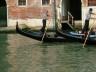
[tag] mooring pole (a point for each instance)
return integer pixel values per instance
(54, 14)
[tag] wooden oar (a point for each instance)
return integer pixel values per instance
(44, 33)
(87, 35)
(86, 38)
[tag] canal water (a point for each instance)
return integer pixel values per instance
(22, 54)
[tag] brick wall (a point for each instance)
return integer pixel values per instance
(32, 10)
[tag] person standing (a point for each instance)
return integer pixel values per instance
(44, 20)
(87, 19)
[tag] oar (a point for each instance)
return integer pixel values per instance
(86, 38)
(87, 35)
(44, 33)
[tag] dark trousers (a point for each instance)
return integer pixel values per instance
(86, 26)
(44, 25)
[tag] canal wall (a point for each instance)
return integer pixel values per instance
(33, 26)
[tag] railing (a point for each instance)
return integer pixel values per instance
(70, 19)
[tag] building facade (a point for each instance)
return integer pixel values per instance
(86, 4)
(27, 11)
(30, 11)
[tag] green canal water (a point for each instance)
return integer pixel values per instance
(22, 54)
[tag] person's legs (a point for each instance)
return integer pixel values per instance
(86, 26)
(44, 25)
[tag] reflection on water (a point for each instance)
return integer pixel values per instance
(4, 65)
(28, 55)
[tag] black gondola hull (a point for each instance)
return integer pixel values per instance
(76, 38)
(38, 35)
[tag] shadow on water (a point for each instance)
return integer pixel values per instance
(4, 65)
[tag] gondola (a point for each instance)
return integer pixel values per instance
(38, 35)
(77, 37)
